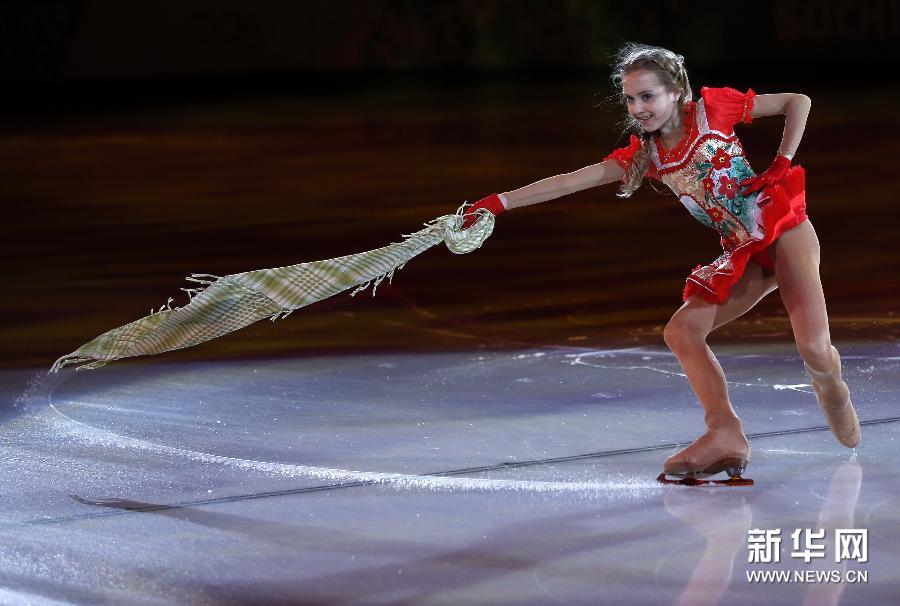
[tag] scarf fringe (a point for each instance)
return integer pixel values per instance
(76, 359)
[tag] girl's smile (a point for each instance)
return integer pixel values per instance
(651, 104)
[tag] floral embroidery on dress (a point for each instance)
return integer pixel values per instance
(721, 159)
(727, 187)
(707, 182)
(715, 214)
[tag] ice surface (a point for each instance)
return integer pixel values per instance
(513, 477)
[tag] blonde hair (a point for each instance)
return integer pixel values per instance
(669, 69)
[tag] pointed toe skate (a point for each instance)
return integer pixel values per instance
(844, 424)
(833, 396)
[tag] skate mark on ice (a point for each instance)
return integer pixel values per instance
(437, 481)
(578, 358)
(796, 387)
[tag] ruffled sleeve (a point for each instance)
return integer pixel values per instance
(726, 107)
(623, 155)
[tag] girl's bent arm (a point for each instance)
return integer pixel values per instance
(557, 186)
(795, 108)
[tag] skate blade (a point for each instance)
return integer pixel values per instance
(732, 466)
(736, 480)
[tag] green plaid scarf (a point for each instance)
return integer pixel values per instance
(227, 303)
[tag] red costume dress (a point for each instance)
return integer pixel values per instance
(705, 170)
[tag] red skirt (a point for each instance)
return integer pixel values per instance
(782, 207)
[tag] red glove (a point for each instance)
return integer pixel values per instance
(492, 203)
(773, 174)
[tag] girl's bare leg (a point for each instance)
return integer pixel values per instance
(686, 334)
(797, 270)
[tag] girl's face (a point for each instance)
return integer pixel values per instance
(647, 100)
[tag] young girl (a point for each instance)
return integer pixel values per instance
(767, 240)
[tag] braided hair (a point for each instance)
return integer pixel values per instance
(669, 69)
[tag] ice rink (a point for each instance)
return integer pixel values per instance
(515, 477)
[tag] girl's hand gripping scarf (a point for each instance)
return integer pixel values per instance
(227, 303)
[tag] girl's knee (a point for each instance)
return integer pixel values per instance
(680, 333)
(691, 324)
(817, 354)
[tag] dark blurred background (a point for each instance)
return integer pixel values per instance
(140, 142)
(275, 43)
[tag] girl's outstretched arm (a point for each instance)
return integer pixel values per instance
(557, 186)
(794, 107)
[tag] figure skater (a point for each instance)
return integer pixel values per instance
(767, 240)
